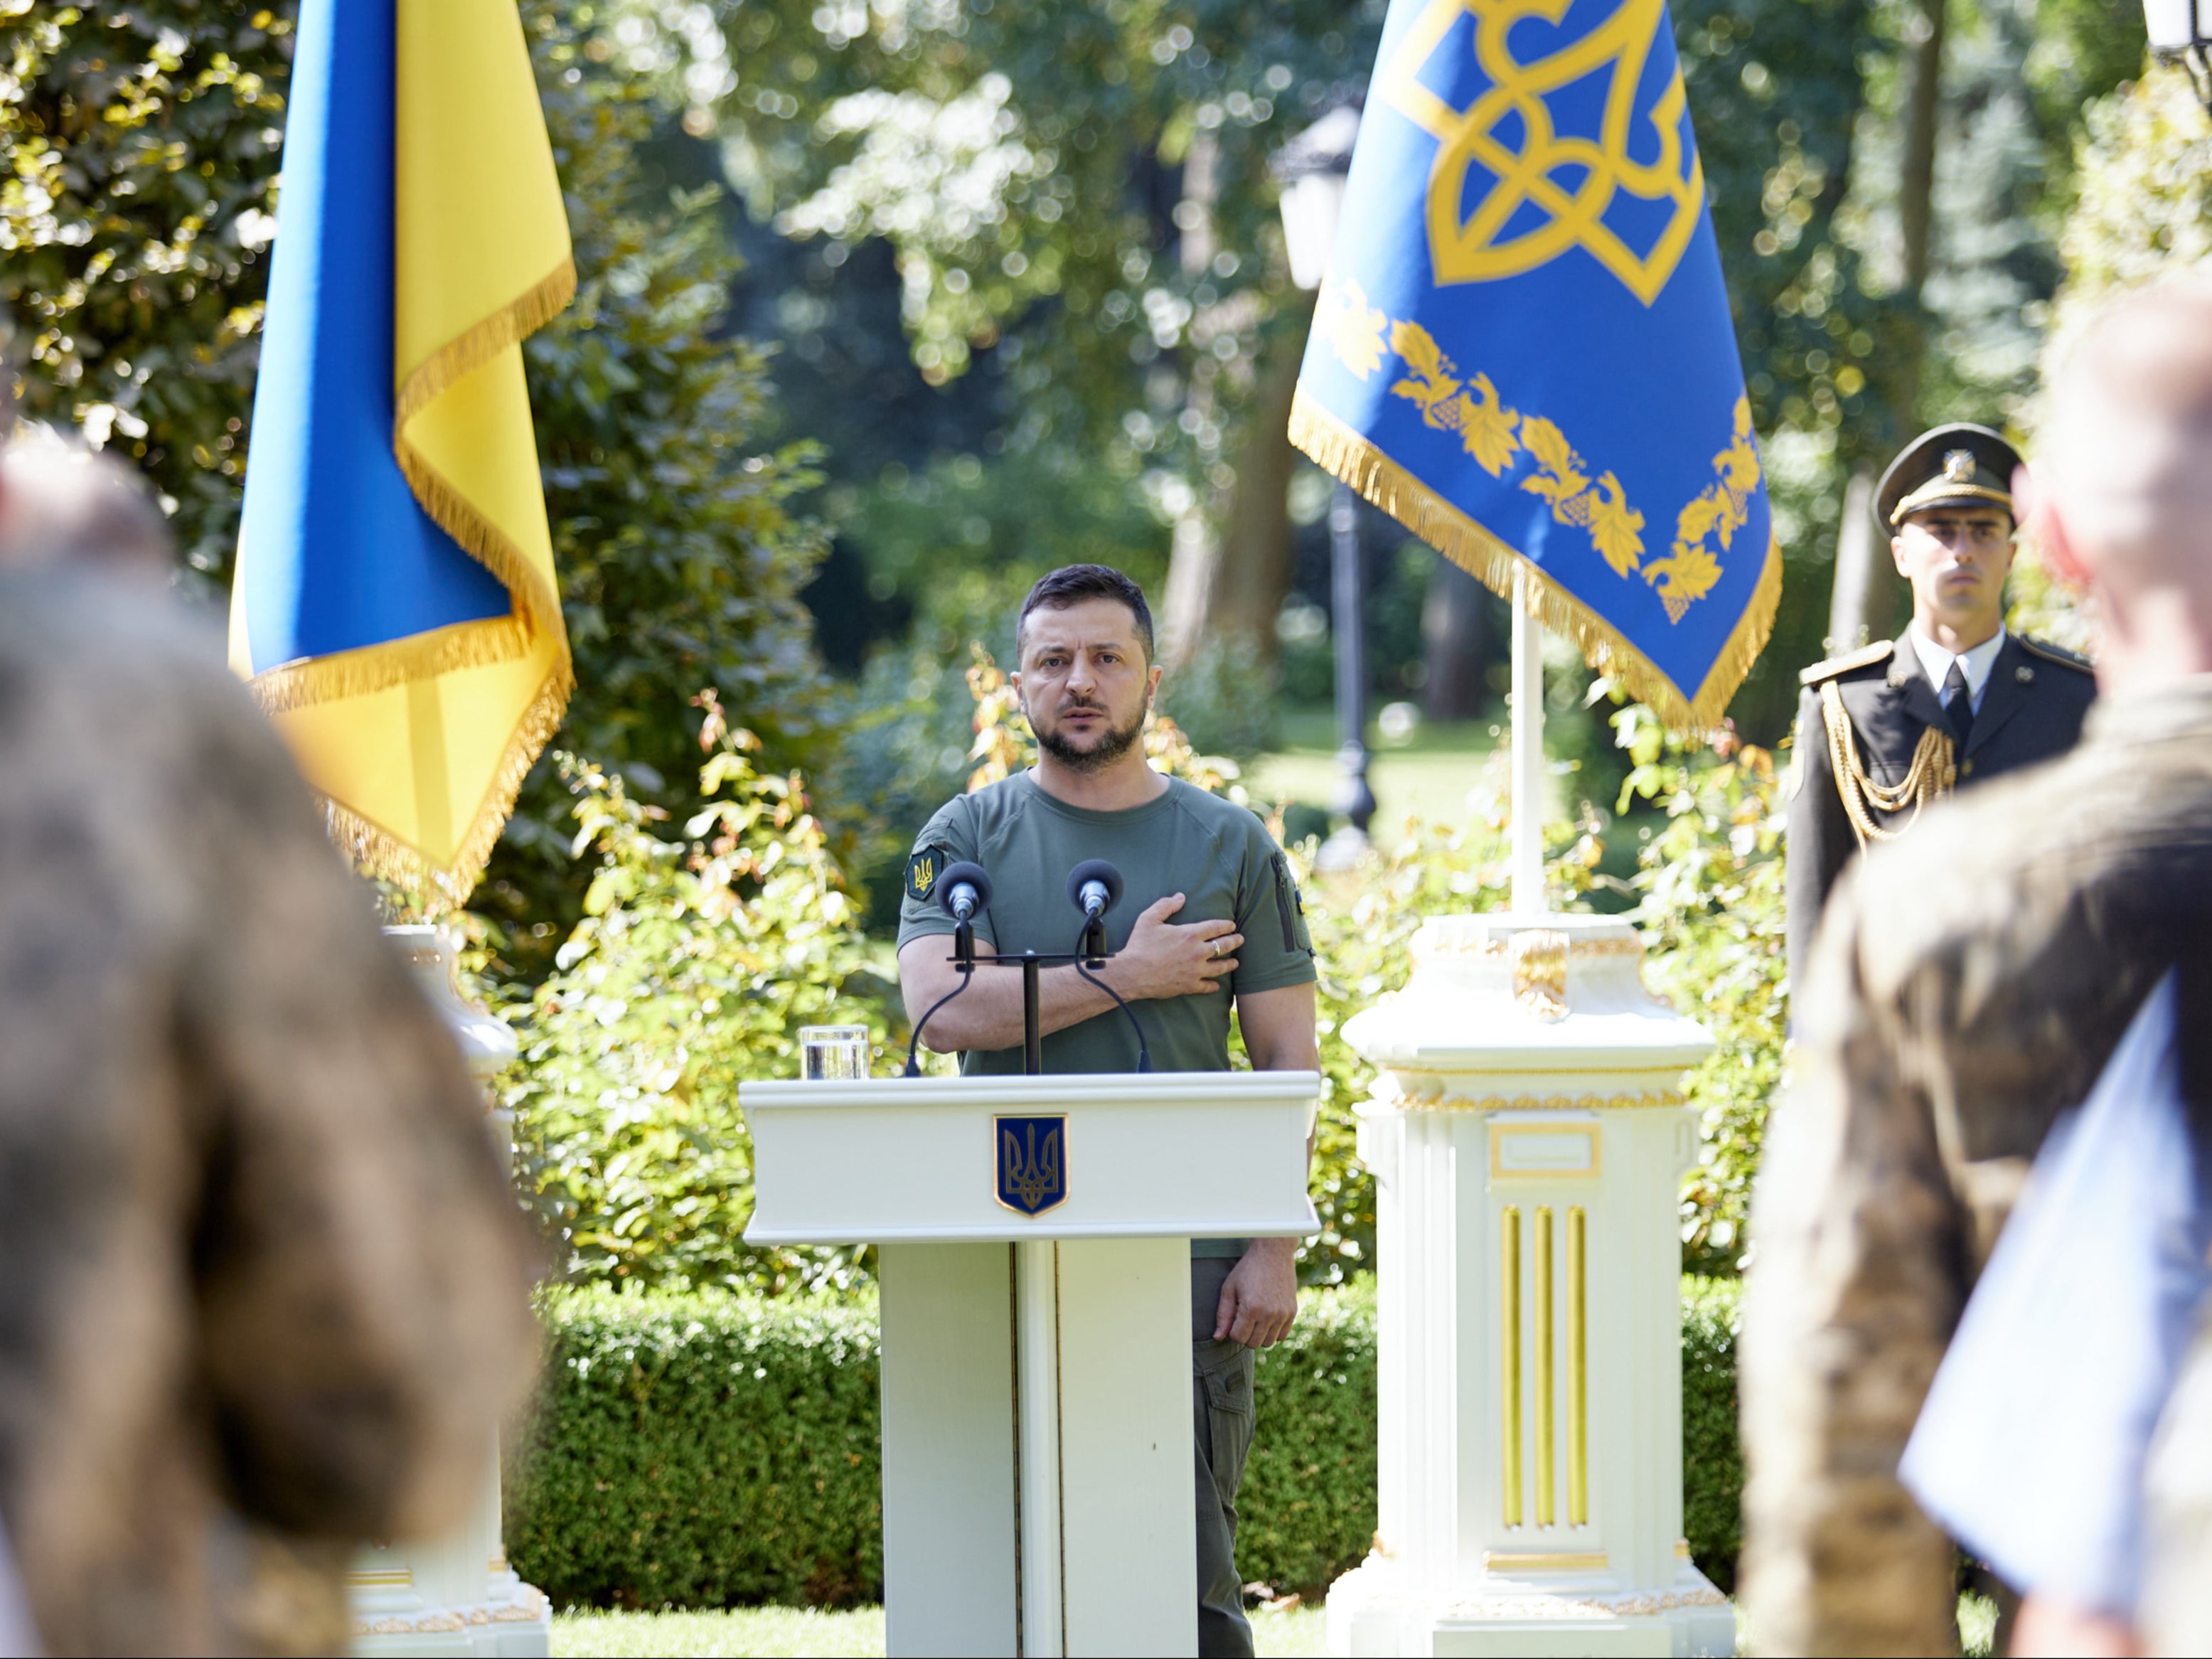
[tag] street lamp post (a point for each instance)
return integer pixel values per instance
(2180, 31)
(1313, 168)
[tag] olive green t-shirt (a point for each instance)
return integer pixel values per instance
(1218, 854)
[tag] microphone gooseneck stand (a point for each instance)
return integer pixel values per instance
(1094, 886)
(964, 890)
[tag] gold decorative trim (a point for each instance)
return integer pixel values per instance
(1934, 772)
(1946, 490)
(1577, 1367)
(1546, 1449)
(1576, 1607)
(1509, 1285)
(1649, 1102)
(1539, 972)
(1433, 947)
(377, 851)
(1544, 1560)
(1340, 450)
(471, 349)
(526, 1609)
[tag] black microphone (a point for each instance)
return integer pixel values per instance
(964, 890)
(1094, 887)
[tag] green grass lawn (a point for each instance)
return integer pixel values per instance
(775, 1632)
(1429, 775)
(778, 1632)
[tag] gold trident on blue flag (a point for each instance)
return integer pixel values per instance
(1470, 247)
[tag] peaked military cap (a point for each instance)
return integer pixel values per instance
(1956, 465)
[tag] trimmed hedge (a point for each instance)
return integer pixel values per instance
(1712, 1457)
(712, 1449)
(701, 1450)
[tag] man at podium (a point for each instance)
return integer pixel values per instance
(1210, 917)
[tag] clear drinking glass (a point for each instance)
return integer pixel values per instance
(832, 1053)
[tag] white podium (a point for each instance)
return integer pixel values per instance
(1527, 1137)
(1032, 1235)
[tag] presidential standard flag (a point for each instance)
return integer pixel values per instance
(1523, 350)
(395, 608)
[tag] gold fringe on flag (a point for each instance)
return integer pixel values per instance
(1346, 454)
(376, 851)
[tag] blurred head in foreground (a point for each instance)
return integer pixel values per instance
(266, 1292)
(2122, 505)
(61, 504)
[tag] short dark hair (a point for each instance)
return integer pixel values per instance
(1071, 584)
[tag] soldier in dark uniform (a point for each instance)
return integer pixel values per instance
(1956, 698)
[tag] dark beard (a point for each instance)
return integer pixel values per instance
(1111, 747)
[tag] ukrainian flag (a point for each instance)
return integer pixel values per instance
(1523, 350)
(396, 608)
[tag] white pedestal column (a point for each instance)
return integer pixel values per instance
(456, 1596)
(1528, 1137)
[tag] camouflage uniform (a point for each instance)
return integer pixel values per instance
(1968, 984)
(267, 1287)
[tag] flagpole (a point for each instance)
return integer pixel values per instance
(1528, 801)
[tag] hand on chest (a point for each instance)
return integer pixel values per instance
(1036, 913)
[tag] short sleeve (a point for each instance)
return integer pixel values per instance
(1277, 952)
(944, 840)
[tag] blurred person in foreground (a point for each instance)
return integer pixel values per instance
(1966, 986)
(267, 1290)
(63, 506)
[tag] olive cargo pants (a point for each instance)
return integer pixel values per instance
(1221, 1413)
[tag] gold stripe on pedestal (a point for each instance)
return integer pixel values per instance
(1578, 1370)
(1545, 1510)
(1508, 1259)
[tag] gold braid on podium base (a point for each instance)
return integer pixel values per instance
(1932, 773)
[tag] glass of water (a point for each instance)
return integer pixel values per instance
(832, 1053)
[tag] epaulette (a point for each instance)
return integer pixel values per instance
(1865, 657)
(2057, 654)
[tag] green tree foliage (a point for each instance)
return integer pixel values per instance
(679, 550)
(2142, 211)
(141, 144)
(1711, 908)
(138, 147)
(697, 958)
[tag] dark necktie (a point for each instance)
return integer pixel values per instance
(1958, 703)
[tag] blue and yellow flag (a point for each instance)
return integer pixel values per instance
(1522, 351)
(395, 608)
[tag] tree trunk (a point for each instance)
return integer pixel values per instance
(1866, 600)
(1458, 630)
(1231, 567)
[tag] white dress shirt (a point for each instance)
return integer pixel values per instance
(1935, 662)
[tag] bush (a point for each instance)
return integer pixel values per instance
(700, 1450)
(708, 1448)
(1306, 1512)
(1712, 912)
(1712, 1456)
(697, 958)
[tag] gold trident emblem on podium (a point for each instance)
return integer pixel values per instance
(1570, 180)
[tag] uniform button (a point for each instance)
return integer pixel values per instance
(2024, 674)
(1966, 768)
